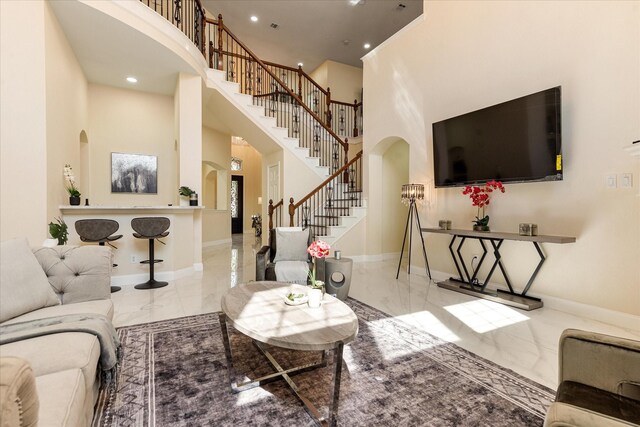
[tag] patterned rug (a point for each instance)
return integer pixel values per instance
(174, 374)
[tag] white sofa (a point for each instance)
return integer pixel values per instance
(65, 365)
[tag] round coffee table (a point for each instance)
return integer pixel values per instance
(258, 310)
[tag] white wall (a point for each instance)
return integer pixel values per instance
(216, 152)
(252, 183)
(23, 133)
(345, 81)
(66, 98)
(128, 121)
(395, 173)
(467, 55)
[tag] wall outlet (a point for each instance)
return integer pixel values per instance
(611, 180)
(626, 180)
(134, 259)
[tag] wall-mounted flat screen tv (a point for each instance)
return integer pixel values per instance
(515, 141)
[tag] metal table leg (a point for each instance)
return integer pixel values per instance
(312, 410)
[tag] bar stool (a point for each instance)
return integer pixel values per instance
(150, 228)
(99, 231)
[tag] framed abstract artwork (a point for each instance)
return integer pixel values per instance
(134, 173)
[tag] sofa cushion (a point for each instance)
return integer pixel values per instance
(565, 415)
(23, 285)
(18, 397)
(58, 352)
(102, 306)
(291, 245)
(600, 401)
(77, 273)
(62, 399)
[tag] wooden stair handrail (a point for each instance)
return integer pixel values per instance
(286, 88)
(294, 206)
(347, 104)
(299, 70)
(272, 208)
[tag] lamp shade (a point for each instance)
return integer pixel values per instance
(412, 192)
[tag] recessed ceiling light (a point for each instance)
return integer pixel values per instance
(254, 18)
(132, 79)
(356, 2)
(300, 64)
(367, 45)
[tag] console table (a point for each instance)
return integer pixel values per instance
(469, 282)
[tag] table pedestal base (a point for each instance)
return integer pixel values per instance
(286, 375)
(499, 296)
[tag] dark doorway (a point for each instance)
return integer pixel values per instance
(236, 204)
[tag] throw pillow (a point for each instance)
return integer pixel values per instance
(23, 285)
(291, 245)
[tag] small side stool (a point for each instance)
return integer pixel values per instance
(151, 228)
(337, 276)
(99, 231)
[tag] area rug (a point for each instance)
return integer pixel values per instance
(173, 373)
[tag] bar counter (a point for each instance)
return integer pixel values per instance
(181, 254)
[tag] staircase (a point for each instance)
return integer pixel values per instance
(293, 110)
(335, 206)
(267, 123)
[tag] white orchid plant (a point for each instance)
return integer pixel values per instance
(71, 181)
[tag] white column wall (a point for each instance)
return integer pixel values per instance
(189, 118)
(23, 133)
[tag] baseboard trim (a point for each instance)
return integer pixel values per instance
(604, 315)
(374, 258)
(198, 266)
(167, 276)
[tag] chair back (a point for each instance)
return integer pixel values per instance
(150, 227)
(273, 243)
(96, 230)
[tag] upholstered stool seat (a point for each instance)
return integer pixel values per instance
(99, 231)
(151, 228)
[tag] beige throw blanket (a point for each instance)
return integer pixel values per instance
(94, 324)
(292, 272)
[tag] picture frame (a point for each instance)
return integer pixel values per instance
(134, 173)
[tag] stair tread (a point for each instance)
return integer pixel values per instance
(326, 216)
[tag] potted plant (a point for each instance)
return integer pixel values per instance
(480, 197)
(74, 193)
(185, 191)
(58, 230)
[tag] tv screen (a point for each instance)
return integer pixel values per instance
(515, 141)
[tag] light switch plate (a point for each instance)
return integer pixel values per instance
(626, 180)
(611, 181)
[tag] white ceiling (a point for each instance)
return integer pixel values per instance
(309, 31)
(312, 31)
(108, 50)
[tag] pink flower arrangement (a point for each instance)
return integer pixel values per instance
(317, 249)
(480, 197)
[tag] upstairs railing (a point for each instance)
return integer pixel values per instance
(187, 15)
(344, 119)
(258, 79)
(323, 207)
(347, 118)
(275, 214)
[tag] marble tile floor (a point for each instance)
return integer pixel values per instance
(526, 342)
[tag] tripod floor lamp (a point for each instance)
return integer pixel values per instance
(411, 193)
